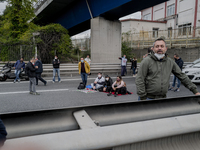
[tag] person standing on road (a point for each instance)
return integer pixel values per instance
(134, 65)
(39, 71)
(123, 64)
(19, 66)
(84, 70)
(179, 62)
(88, 59)
(56, 68)
(152, 81)
(30, 71)
(3, 133)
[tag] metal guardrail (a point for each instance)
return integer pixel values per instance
(72, 69)
(129, 120)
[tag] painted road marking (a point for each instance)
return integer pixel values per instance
(39, 91)
(76, 79)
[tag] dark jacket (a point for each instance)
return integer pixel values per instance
(16, 65)
(40, 67)
(134, 63)
(179, 62)
(108, 83)
(3, 133)
(56, 63)
(153, 77)
(30, 70)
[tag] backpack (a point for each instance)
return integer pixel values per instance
(81, 86)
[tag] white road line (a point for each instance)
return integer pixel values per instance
(39, 91)
(48, 81)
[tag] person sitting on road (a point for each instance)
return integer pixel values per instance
(19, 66)
(107, 87)
(119, 87)
(99, 82)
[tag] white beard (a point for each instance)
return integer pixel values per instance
(159, 56)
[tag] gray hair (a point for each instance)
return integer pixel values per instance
(159, 39)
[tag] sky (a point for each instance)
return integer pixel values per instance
(2, 7)
(84, 34)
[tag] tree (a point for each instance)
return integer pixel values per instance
(52, 39)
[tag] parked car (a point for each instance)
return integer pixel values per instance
(193, 63)
(193, 73)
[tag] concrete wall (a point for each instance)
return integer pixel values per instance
(105, 40)
(187, 54)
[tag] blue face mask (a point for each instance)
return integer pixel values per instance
(82, 61)
(124, 57)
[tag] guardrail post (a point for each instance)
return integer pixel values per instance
(186, 38)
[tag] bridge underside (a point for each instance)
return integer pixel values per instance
(75, 15)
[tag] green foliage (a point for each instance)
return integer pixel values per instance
(16, 29)
(126, 50)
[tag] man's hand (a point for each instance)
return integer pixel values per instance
(197, 93)
(36, 67)
(94, 87)
(13, 67)
(95, 82)
(89, 73)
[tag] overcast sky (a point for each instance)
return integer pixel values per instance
(136, 15)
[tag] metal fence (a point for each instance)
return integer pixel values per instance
(15, 52)
(176, 38)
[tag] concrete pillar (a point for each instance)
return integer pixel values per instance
(105, 40)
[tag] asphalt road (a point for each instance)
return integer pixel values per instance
(15, 97)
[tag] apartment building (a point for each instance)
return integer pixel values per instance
(180, 15)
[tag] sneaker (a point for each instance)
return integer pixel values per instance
(36, 93)
(108, 94)
(14, 81)
(31, 92)
(59, 82)
(115, 95)
(133, 75)
(171, 89)
(177, 90)
(53, 81)
(19, 81)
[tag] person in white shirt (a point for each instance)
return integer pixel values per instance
(88, 59)
(123, 64)
(99, 82)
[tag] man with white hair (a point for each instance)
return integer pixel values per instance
(154, 73)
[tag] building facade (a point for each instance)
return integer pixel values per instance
(183, 15)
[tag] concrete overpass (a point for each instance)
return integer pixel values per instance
(99, 15)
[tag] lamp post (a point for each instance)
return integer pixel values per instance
(35, 34)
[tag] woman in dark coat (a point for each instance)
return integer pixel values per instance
(134, 65)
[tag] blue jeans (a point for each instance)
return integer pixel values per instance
(146, 99)
(134, 70)
(84, 78)
(174, 82)
(54, 73)
(17, 72)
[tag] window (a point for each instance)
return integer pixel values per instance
(170, 10)
(170, 32)
(155, 32)
(184, 29)
(147, 17)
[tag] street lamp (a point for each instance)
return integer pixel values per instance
(35, 34)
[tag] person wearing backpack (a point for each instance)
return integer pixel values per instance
(30, 71)
(84, 70)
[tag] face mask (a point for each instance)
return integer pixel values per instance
(133, 59)
(55, 58)
(82, 61)
(159, 56)
(118, 80)
(99, 76)
(33, 63)
(107, 79)
(124, 57)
